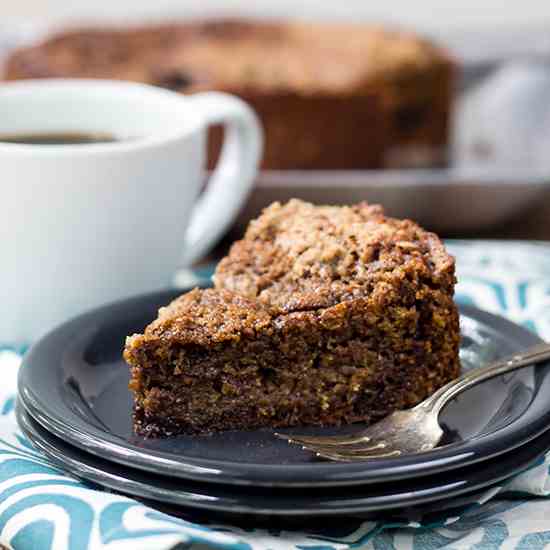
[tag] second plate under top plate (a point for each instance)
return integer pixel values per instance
(439, 489)
(74, 383)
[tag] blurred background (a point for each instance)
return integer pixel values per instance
(501, 106)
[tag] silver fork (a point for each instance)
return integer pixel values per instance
(414, 430)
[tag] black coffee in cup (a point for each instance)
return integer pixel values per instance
(58, 138)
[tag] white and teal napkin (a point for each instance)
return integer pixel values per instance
(41, 508)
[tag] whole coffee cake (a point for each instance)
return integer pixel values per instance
(329, 95)
(321, 315)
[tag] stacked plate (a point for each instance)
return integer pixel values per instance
(74, 405)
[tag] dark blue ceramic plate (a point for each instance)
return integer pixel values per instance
(74, 383)
(261, 501)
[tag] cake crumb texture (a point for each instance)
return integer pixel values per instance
(320, 315)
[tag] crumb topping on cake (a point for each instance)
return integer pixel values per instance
(207, 316)
(294, 56)
(301, 256)
(289, 55)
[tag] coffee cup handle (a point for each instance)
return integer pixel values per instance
(233, 176)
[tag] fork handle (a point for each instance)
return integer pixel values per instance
(529, 357)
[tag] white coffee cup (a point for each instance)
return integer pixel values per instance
(82, 225)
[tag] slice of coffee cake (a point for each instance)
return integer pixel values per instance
(321, 315)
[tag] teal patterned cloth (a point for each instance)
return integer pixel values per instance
(42, 508)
